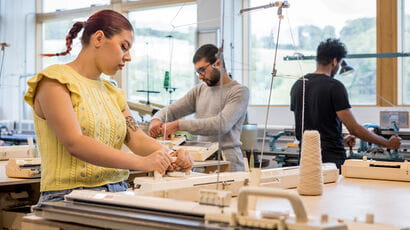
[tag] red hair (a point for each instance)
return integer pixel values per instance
(109, 21)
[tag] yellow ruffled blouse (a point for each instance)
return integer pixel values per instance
(98, 105)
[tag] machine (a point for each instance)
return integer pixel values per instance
(24, 168)
(381, 170)
(17, 151)
(371, 151)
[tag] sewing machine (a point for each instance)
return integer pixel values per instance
(371, 169)
(174, 205)
(126, 210)
(371, 151)
(24, 168)
(288, 177)
(284, 157)
(274, 137)
(188, 187)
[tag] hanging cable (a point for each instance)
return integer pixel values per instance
(176, 15)
(222, 70)
(281, 6)
(294, 43)
(303, 78)
(2, 64)
(302, 128)
(274, 71)
(168, 87)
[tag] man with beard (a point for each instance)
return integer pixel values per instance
(326, 106)
(219, 104)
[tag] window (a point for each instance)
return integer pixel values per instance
(52, 5)
(305, 25)
(54, 33)
(406, 47)
(154, 52)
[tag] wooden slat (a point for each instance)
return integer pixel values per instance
(386, 21)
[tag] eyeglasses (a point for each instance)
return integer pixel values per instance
(201, 70)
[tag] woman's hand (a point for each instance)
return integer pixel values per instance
(157, 161)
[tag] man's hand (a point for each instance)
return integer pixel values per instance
(155, 128)
(170, 128)
(394, 142)
(184, 160)
(349, 141)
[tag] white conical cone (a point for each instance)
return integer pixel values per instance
(310, 172)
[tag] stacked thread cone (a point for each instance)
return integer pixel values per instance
(310, 174)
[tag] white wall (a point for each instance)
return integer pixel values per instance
(210, 31)
(208, 14)
(17, 27)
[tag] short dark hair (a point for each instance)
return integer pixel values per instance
(329, 49)
(207, 51)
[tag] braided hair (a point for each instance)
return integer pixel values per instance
(109, 21)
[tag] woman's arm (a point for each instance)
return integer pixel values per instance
(53, 103)
(142, 144)
(137, 141)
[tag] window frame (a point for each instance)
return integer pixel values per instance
(387, 88)
(387, 35)
(117, 5)
(401, 17)
(387, 42)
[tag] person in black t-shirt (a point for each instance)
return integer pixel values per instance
(327, 106)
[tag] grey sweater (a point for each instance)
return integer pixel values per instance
(206, 102)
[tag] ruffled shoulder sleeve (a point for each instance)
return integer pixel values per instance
(118, 94)
(56, 72)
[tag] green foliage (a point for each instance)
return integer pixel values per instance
(189, 36)
(359, 35)
(308, 37)
(182, 76)
(329, 32)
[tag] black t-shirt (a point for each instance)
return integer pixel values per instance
(324, 96)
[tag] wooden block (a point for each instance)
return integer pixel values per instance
(200, 151)
(16, 151)
(23, 168)
(381, 170)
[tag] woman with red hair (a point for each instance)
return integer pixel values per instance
(82, 120)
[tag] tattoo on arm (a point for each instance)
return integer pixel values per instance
(127, 137)
(131, 123)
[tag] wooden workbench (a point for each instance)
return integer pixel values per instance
(389, 201)
(6, 181)
(348, 198)
(32, 186)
